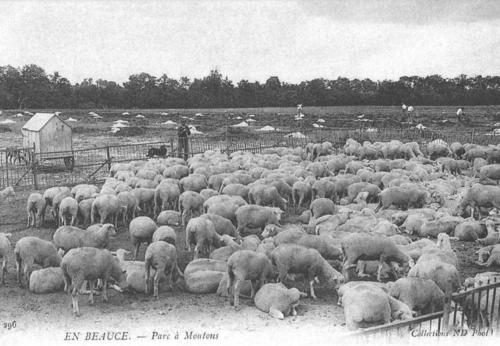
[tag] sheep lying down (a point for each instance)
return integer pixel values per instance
(367, 305)
(278, 300)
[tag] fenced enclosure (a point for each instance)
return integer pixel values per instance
(91, 165)
(475, 311)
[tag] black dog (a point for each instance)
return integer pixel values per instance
(160, 152)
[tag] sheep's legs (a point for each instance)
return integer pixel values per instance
(236, 294)
(159, 272)
(146, 290)
(311, 289)
(136, 251)
(252, 289)
(91, 296)
(104, 290)
(4, 269)
(361, 270)
(275, 313)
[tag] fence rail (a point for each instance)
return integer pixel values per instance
(91, 164)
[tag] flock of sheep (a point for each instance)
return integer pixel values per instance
(354, 213)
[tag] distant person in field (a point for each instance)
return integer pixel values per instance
(409, 110)
(299, 109)
(461, 116)
(183, 133)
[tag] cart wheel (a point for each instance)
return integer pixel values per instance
(69, 162)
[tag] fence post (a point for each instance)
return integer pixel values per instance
(33, 165)
(172, 146)
(108, 158)
(447, 307)
(472, 136)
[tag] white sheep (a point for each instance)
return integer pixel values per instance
(169, 218)
(46, 280)
(7, 192)
(162, 257)
(70, 237)
(107, 207)
(166, 234)
(68, 207)
(35, 207)
(247, 265)
(201, 232)
(141, 230)
(91, 264)
(4, 252)
(33, 250)
(135, 271)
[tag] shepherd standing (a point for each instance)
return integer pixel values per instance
(183, 133)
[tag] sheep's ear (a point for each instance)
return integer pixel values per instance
(8, 235)
(414, 313)
(127, 252)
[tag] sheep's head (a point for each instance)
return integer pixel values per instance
(109, 228)
(118, 273)
(278, 212)
(270, 231)
(443, 241)
(9, 191)
(403, 314)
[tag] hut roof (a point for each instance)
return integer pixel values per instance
(38, 121)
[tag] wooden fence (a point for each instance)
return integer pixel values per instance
(92, 164)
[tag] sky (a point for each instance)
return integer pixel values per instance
(294, 40)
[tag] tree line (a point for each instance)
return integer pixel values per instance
(31, 87)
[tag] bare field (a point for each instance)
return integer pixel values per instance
(91, 132)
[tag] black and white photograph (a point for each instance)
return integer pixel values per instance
(237, 172)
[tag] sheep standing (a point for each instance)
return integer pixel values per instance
(141, 230)
(201, 232)
(264, 195)
(107, 207)
(166, 234)
(297, 259)
(247, 265)
(167, 196)
(255, 216)
(4, 252)
(162, 257)
(368, 247)
(91, 264)
(70, 237)
(35, 207)
(33, 250)
(84, 211)
(190, 205)
(7, 192)
(68, 207)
